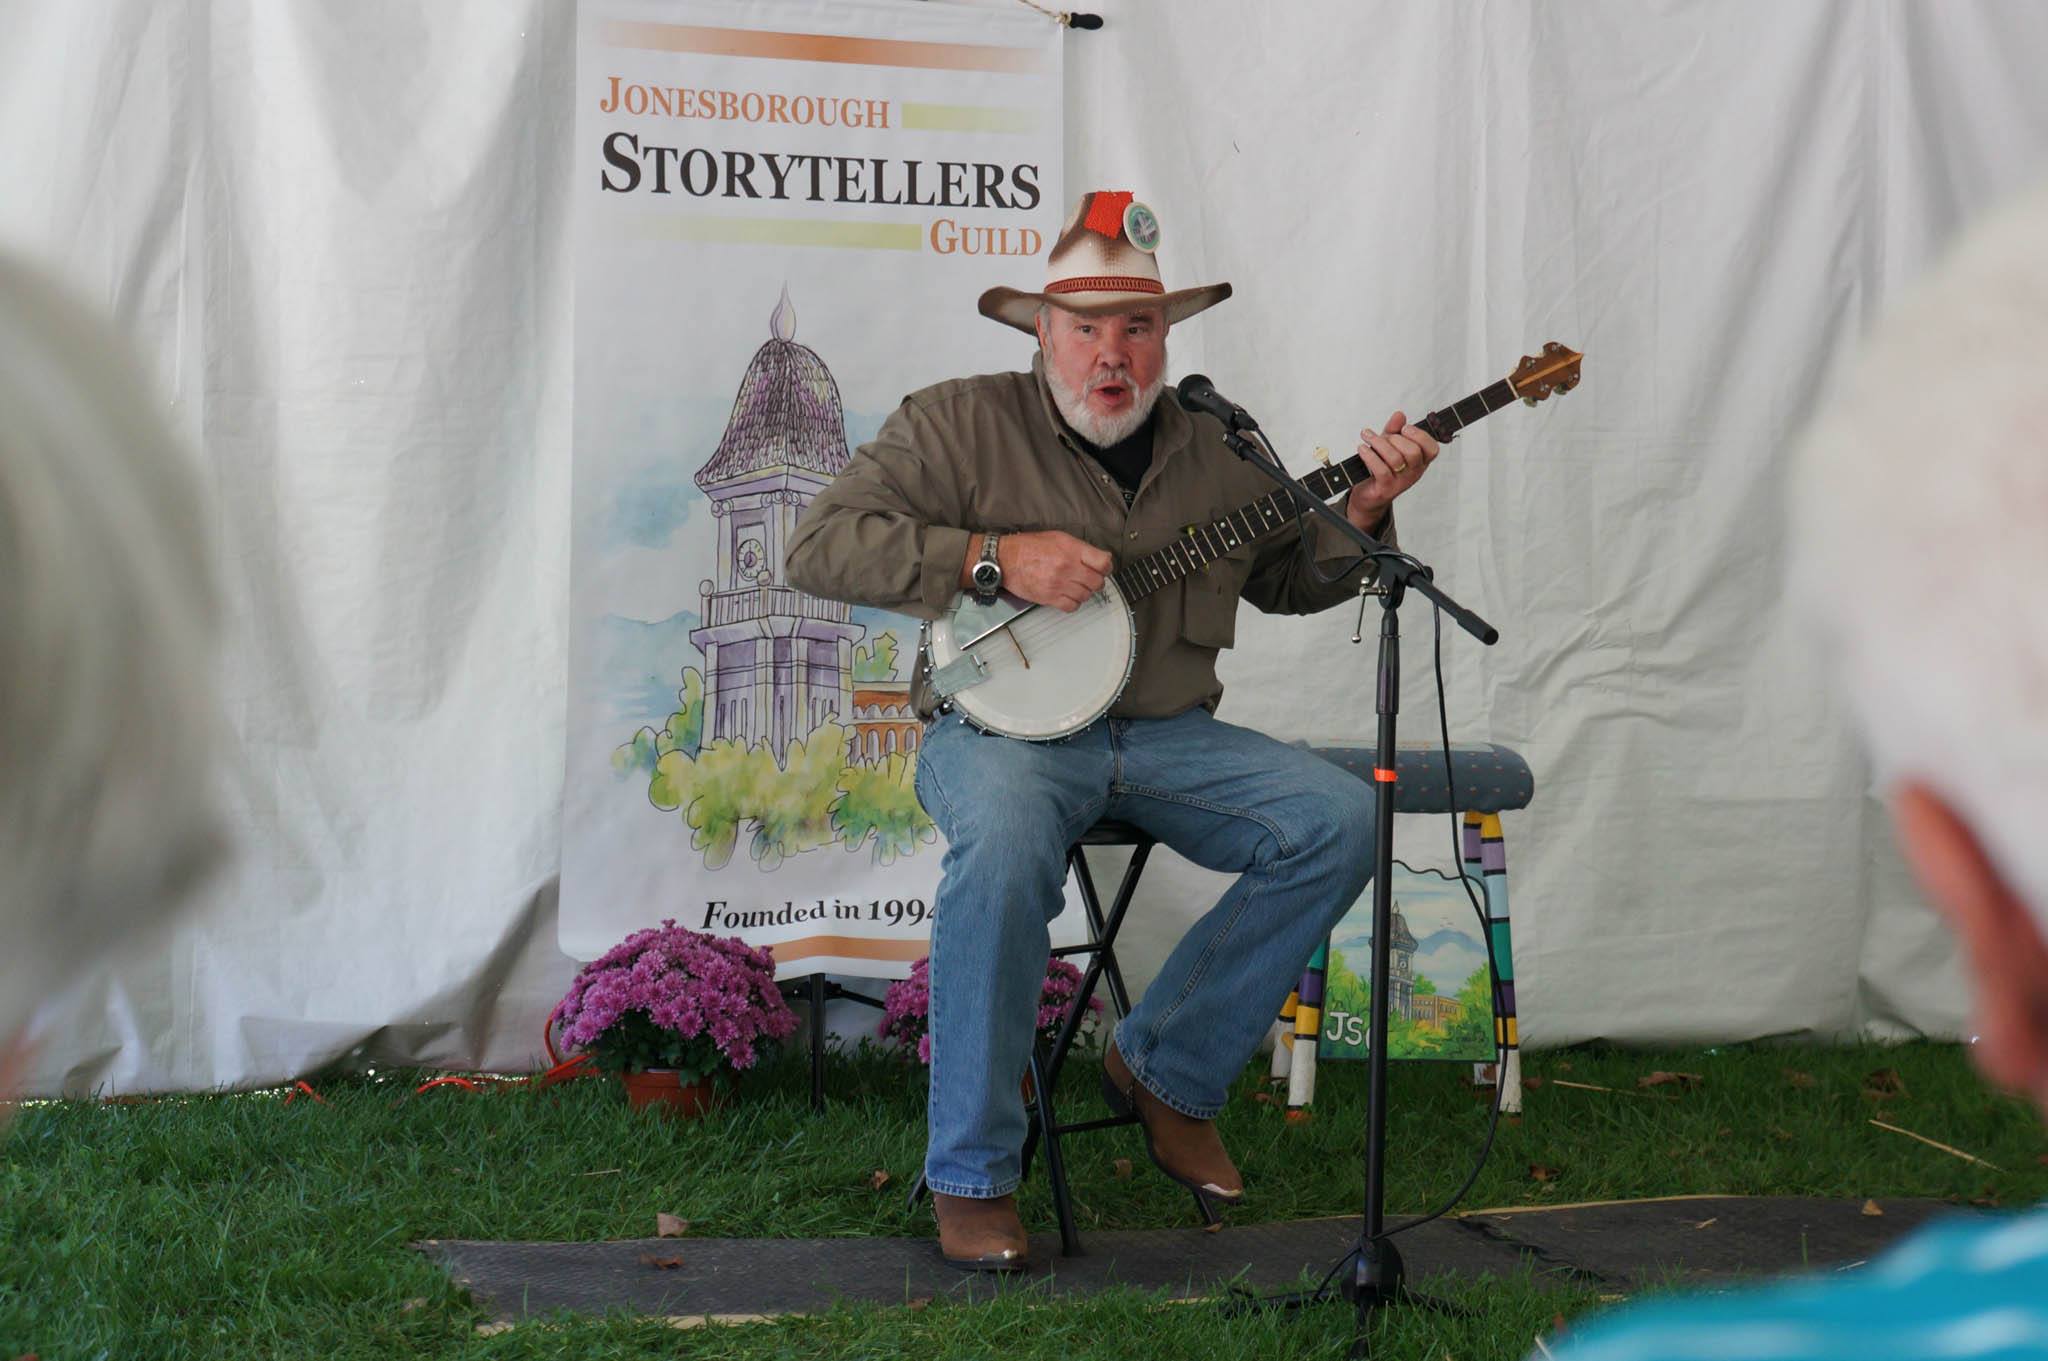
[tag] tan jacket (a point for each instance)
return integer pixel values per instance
(991, 453)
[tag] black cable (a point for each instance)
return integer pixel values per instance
(1500, 1052)
(1301, 519)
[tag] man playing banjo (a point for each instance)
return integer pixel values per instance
(1031, 488)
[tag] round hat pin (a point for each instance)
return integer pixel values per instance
(1141, 227)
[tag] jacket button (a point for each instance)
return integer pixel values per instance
(1132, 535)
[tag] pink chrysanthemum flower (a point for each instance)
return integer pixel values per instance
(906, 1006)
(670, 997)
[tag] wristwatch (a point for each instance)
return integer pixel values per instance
(988, 573)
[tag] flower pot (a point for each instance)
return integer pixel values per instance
(664, 1090)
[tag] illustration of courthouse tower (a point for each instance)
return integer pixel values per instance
(777, 662)
(1401, 978)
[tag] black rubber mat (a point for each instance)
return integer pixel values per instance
(1645, 1241)
(1621, 1244)
(766, 1276)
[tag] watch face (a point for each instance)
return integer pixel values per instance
(987, 576)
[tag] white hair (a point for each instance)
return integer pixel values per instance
(1919, 530)
(107, 624)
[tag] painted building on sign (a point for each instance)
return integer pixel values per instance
(1436, 1011)
(777, 661)
(883, 722)
(1401, 980)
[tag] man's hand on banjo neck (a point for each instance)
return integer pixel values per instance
(1397, 458)
(1047, 567)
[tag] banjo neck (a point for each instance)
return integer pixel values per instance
(1203, 544)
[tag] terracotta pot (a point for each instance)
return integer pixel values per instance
(663, 1089)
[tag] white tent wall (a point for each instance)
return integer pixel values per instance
(337, 232)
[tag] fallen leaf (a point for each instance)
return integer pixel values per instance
(1530, 1084)
(1564, 1067)
(879, 1179)
(660, 1263)
(1870, 1207)
(1213, 1228)
(1541, 1173)
(922, 1302)
(1723, 1132)
(1795, 1078)
(670, 1226)
(492, 1329)
(1884, 1083)
(1707, 1223)
(416, 1302)
(2043, 1160)
(1300, 1115)
(1985, 1202)
(1263, 1098)
(1682, 1081)
(1557, 1324)
(1783, 1136)
(1123, 1169)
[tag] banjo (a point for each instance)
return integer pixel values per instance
(1022, 670)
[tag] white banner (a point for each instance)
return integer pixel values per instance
(784, 213)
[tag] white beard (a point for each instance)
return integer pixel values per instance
(1103, 431)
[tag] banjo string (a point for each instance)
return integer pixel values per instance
(1030, 632)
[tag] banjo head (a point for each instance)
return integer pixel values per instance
(1049, 674)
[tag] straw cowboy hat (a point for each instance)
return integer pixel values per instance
(1102, 264)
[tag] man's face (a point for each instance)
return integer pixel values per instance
(1112, 366)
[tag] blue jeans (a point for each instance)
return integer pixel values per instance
(1297, 830)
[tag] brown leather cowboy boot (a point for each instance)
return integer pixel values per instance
(981, 1235)
(1187, 1150)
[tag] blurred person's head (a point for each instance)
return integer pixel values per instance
(1920, 551)
(108, 811)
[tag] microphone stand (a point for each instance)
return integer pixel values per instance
(1377, 1279)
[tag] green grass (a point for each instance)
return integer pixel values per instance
(243, 1226)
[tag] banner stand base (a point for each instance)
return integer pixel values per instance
(818, 989)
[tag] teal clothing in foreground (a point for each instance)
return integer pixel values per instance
(1973, 1288)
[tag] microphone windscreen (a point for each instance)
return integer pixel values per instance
(1084, 21)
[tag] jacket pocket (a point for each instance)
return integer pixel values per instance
(1209, 611)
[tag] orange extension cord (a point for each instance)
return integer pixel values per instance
(562, 1070)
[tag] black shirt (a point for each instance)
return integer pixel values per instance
(1127, 459)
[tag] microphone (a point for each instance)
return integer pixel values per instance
(1197, 393)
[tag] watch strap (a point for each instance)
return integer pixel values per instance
(988, 558)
